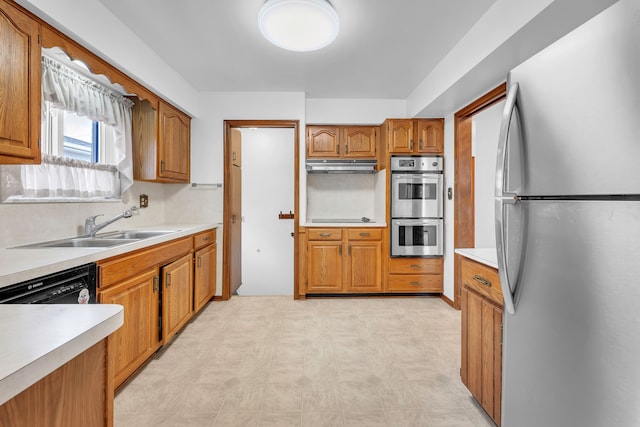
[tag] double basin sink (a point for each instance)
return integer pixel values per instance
(103, 240)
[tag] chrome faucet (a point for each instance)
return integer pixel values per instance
(91, 228)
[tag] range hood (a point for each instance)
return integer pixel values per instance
(345, 166)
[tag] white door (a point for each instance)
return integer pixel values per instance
(267, 189)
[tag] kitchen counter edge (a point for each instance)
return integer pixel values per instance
(18, 265)
(486, 256)
(33, 348)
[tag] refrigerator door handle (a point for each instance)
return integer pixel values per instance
(504, 198)
(501, 162)
(501, 238)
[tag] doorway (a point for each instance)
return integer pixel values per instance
(237, 155)
(464, 179)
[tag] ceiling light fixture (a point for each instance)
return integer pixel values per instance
(299, 25)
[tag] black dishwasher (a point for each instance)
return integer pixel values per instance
(76, 285)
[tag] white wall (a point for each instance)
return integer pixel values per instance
(354, 111)
(267, 190)
(485, 133)
(507, 34)
(449, 171)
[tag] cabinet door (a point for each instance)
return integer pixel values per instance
(360, 141)
(364, 268)
(144, 129)
(19, 87)
(205, 281)
(482, 351)
(137, 339)
(173, 140)
(400, 134)
(177, 296)
(431, 136)
(324, 267)
(323, 141)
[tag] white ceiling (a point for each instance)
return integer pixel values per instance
(384, 50)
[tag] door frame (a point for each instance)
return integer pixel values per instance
(464, 179)
(226, 244)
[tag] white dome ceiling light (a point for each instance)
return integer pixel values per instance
(299, 25)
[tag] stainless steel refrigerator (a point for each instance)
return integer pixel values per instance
(568, 229)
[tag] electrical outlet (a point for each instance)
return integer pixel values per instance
(144, 201)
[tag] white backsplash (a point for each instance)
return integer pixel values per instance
(35, 222)
(190, 205)
(341, 196)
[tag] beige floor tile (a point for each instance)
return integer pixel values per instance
(365, 419)
(237, 419)
(398, 395)
(321, 396)
(280, 419)
(246, 397)
(322, 419)
(407, 418)
(318, 362)
(282, 397)
(359, 396)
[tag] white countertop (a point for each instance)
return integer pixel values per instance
(18, 265)
(37, 339)
(486, 256)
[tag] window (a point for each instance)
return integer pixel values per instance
(80, 139)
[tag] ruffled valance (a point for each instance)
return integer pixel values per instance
(61, 177)
(66, 89)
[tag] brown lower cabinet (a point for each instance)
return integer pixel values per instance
(72, 396)
(409, 275)
(481, 305)
(156, 287)
(344, 260)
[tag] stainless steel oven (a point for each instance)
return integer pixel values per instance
(416, 206)
(416, 195)
(417, 237)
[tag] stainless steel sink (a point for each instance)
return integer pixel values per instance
(134, 234)
(78, 242)
(104, 240)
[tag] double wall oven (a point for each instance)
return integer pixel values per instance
(416, 206)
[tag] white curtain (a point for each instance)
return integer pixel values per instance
(68, 90)
(61, 177)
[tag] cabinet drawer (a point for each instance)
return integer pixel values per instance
(204, 239)
(415, 283)
(364, 234)
(415, 265)
(118, 268)
(482, 279)
(324, 234)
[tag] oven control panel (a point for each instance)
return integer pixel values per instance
(416, 164)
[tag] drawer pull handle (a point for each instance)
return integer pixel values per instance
(206, 239)
(414, 266)
(482, 280)
(415, 283)
(168, 280)
(365, 234)
(325, 234)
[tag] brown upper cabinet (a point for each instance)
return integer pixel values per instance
(161, 142)
(20, 81)
(414, 136)
(161, 133)
(342, 142)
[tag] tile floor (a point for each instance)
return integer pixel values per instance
(273, 361)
